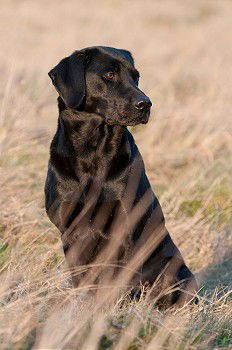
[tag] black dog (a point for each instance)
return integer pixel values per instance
(96, 175)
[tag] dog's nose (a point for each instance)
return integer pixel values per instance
(144, 103)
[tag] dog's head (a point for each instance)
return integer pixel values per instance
(102, 80)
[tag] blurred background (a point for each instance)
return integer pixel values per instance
(183, 50)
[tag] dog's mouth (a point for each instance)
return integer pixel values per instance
(127, 121)
(146, 118)
(143, 118)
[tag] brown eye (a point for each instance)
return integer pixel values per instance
(109, 75)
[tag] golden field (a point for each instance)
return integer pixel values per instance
(183, 50)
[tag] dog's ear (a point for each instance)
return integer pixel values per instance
(68, 77)
(128, 55)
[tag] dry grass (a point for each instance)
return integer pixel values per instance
(184, 52)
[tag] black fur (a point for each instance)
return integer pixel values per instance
(94, 159)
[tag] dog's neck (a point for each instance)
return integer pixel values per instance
(89, 142)
(88, 129)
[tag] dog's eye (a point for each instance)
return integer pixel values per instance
(109, 75)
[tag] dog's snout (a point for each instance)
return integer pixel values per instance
(143, 103)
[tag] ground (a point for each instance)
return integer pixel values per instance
(183, 50)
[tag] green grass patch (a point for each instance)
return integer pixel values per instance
(189, 208)
(4, 253)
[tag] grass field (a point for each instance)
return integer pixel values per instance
(183, 50)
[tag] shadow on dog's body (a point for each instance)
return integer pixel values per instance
(96, 178)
